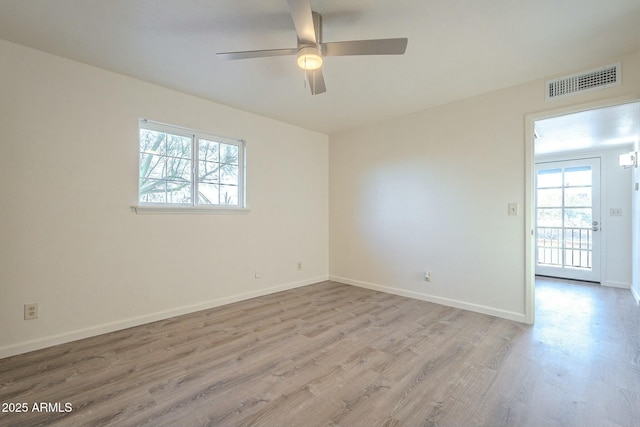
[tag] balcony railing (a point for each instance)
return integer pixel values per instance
(565, 246)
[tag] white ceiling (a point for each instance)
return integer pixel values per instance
(457, 48)
(596, 129)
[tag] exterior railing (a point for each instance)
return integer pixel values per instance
(565, 246)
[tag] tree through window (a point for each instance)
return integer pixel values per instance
(188, 168)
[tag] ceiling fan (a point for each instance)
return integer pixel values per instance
(311, 49)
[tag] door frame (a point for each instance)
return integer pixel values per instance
(529, 220)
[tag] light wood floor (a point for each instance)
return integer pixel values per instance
(332, 354)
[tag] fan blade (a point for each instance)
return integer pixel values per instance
(365, 47)
(316, 82)
(303, 21)
(247, 54)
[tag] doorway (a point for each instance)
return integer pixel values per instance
(585, 132)
(568, 219)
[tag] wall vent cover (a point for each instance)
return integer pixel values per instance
(585, 81)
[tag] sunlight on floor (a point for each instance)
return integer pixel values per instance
(565, 312)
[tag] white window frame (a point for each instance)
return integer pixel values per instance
(194, 206)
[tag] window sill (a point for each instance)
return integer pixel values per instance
(198, 210)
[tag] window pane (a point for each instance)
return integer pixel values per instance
(228, 195)
(229, 174)
(550, 217)
(550, 178)
(549, 256)
(208, 194)
(179, 169)
(229, 154)
(178, 192)
(549, 237)
(152, 166)
(153, 191)
(550, 197)
(577, 258)
(578, 238)
(152, 141)
(578, 176)
(576, 217)
(208, 150)
(208, 171)
(577, 196)
(179, 146)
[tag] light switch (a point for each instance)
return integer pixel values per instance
(514, 209)
(615, 212)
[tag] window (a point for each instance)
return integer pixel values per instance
(185, 168)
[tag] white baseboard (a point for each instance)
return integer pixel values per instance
(614, 284)
(65, 337)
(504, 314)
(636, 295)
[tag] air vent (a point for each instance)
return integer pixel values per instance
(585, 81)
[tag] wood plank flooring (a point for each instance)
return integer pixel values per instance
(331, 354)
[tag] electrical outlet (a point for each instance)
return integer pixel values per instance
(258, 275)
(31, 311)
(299, 265)
(427, 276)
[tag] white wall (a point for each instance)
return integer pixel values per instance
(430, 191)
(616, 185)
(69, 240)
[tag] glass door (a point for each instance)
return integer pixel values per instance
(568, 219)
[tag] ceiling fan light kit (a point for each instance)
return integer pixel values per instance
(311, 50)
(309, 58)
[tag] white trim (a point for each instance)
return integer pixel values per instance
(636, 295)
(180, 130)
(483, 309)
(40, 343)
(614, 284)
(529, 206)
(189, 210)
